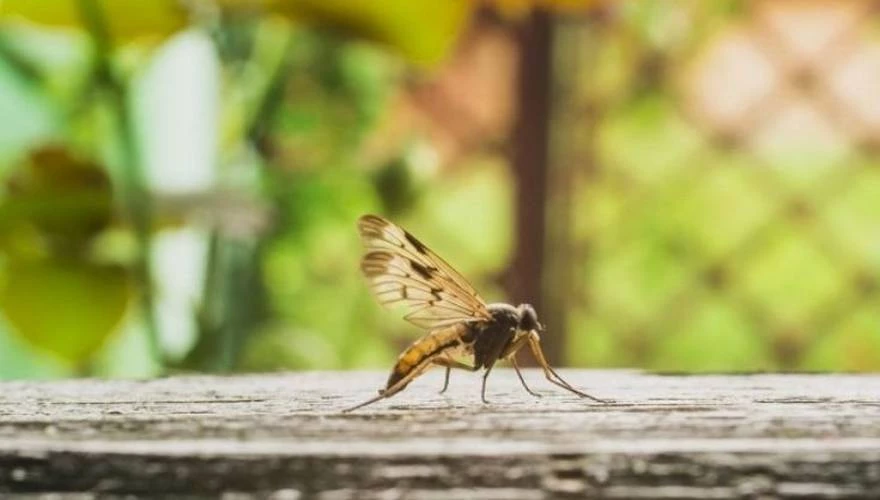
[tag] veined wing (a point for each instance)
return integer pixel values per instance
(402, 270)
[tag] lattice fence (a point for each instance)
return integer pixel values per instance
(715, 186)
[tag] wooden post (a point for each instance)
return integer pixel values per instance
(530, 152)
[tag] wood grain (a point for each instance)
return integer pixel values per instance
(282, 436)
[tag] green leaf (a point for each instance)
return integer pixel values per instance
(65, 307)
(67, 200)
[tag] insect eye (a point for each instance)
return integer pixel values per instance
(528, 319)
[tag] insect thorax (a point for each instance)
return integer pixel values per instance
(523, 317)
(505, 316)
(491, 337)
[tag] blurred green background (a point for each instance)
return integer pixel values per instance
(677, 186)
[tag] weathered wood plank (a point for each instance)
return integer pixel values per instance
(780, 436)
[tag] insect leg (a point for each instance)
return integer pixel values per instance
(382, 395)
(483, 390)
(487, 353)
(550, 373)
(510, 354)
(450, 364)
(397, 386)
(521, 379)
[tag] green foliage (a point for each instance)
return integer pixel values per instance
(29, 117)
(749, 250)
(126, 19)
(55, 206)
(687, 255)
(424, 32)
(716, 337)
(52, 304)
(854, 345)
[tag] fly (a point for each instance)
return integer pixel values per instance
(401, 270)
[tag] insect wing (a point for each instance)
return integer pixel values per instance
(402, 270)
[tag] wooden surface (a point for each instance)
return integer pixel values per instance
(770, 436)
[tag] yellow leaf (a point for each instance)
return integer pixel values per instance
(424, 31)
(519, 8)
(69, 200)
(126, 19)
(65, 307)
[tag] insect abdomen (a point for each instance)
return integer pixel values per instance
(420, 353)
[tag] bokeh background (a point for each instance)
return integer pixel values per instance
(679, 186)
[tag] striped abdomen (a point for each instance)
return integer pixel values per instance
(415, 359)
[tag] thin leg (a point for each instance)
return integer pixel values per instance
(521, 379)
(510, 354)
(485, 376)
(550, 373)
(397, 387)
(382, 395)
(450, 364)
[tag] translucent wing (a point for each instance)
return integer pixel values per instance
(402, 270)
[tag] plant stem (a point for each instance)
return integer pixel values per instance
(135, 195)
(232, 266)
(20, 64)
(260, 126)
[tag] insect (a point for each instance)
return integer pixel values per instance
(402, 270)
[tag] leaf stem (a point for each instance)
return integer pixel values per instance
(136, 199)
(233, 266)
